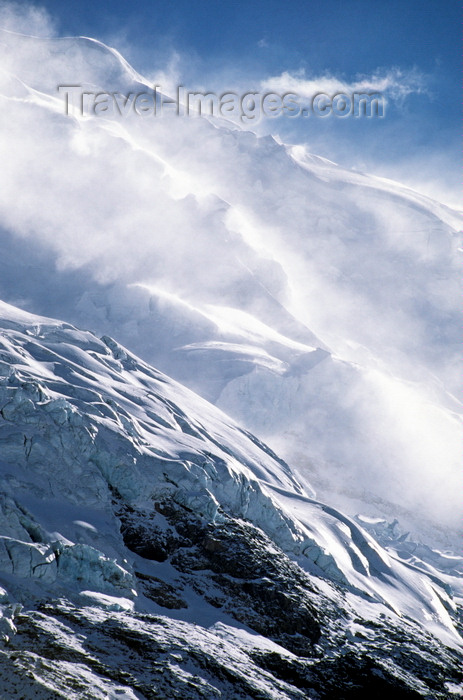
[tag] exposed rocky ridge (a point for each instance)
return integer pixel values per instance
(66, 651)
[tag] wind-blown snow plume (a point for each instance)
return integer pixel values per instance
(395, 82)
(244, 268)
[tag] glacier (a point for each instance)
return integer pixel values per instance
(132, 509)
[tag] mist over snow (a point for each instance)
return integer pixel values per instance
(230, 394)
(316, 305)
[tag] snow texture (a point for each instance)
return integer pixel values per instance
(150, 545)
(121, 490)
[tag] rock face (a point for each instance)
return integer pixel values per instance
(150, 548)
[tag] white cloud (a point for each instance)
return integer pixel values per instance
(394, 82)
(26, 18)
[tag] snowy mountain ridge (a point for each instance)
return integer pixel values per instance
(151, 546)
(225, 259)
(122, 490)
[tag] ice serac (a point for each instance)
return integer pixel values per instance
(150, 547)
(316, 305)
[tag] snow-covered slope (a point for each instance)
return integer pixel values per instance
(316, 305)
(149, 547)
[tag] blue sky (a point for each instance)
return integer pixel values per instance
(217, 43)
